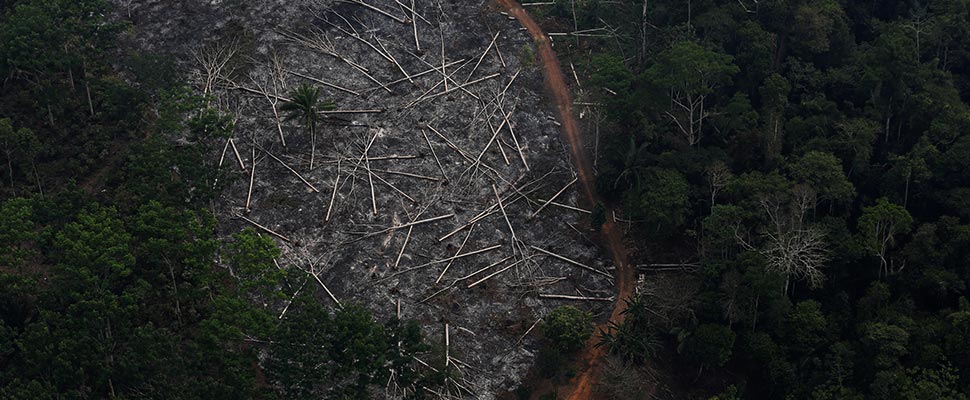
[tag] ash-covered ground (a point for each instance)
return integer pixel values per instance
(429, 154)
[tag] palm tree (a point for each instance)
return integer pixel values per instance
(632, 164)
(305, 104)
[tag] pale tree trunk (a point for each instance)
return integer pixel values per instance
(313, 144)
(10, 172)
(40, 188)
(693, 109)
(70, 75)
(754, 321)
(643, 34)
(87, 88)
(906, 191)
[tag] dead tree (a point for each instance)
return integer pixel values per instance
(215, 63)
(791, 248)
(718, 175)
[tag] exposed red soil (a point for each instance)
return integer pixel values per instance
(590, 359)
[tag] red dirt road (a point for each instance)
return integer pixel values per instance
(580, 387)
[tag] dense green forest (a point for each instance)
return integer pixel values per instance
(113, 282)
(813, 157)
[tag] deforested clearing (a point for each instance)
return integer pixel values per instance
(421, 172)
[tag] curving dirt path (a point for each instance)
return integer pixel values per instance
(581, 386)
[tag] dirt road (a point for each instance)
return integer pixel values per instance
(581, 387)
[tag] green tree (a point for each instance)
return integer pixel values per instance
(20, 147)
(737, 117)
(344, 354)
(913, 167)
(942, 383)
(688, 73)
(823, 173)
(567, 328)
(804, 331)
(774, 103)
(251, 259)
(819, 25)
(43, 36)
(731, 393)
(721, 229)
(853, 143)
(93, 253)
(879, 226)
(661, 199)
(612, 75)
(776, 369)
(18, 232)
(55, 43)
(710, 345)
(635, 339)
(175, 251)
(885, 343)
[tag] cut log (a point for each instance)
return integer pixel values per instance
(573, 262)
(492, 275)
(293, 171)
(401, 192)
(484, 53)
(252, 176)
(322, 82)
(569, 207)
(403, 246)
(460, 247)
(577, 298)
(288, 303)
(469, 276)
(433, 153)
(554, 196)
(238, 157)
(329, 293)
(333, 196)
(407, 174)
(506, 216)
(428, 264)
(534, 324)
(447, 346)
(377, 10)
(267, 230)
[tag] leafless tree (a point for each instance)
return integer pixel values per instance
(274, 90)
(215, 63)
(642, 54)
(747, 9)
(718, 176)
(693, 107)
(791, 248)
(918, 23)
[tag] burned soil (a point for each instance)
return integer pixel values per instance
(430, 186)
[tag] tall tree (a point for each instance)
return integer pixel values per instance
(710, 345)
(660, 199)
(913, 167)
(20, 146)
(689, 73)
(567, 328)
(305, 104)
(822, 172)
(341, 355)
(792, 248)
(774, 102)
(879, 226)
